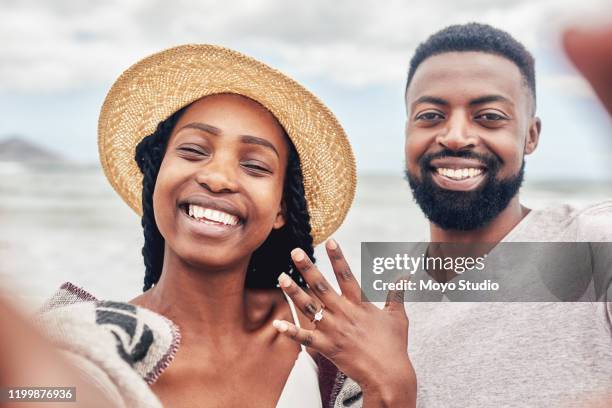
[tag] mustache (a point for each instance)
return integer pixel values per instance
(492, 161)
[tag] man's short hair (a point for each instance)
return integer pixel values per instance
(476, 37)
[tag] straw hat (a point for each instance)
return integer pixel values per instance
(159, 85)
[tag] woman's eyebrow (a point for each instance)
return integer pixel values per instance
(258, 141)
(243, 138)
(204, 127)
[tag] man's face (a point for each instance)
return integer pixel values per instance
(469, 124)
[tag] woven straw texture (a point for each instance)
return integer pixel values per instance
(159, 85)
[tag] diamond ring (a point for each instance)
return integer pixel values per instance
(318, 316)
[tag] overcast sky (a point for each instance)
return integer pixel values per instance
(58, 58)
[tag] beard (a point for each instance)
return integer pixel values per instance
(464, 210)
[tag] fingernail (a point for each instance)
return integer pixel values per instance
(284, 280)
(332, 244)
(298, 254)
(280, 325)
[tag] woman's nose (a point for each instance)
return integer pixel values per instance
(218, 175)
(458, 134)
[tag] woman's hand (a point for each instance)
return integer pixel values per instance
(368, 344)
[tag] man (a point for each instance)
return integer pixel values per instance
(471, 103)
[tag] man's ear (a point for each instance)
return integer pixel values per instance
(279, 221)
(533, 137)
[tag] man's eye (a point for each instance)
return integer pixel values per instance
(490, 117)
(430, 116)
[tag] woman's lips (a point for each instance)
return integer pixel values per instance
(204, 227)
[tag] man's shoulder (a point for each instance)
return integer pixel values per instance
(594, 222)
(567, 223)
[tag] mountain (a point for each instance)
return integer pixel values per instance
(18, 149)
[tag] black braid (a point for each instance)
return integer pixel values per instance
(270, 259)
(149, 155)
(274, 255)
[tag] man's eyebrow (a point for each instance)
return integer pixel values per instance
(204, 127)
(258, 141)
(431, 99)
(490, 98)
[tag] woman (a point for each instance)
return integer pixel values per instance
(239, 165)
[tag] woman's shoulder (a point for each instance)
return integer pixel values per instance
(114, 335)
(67, 294)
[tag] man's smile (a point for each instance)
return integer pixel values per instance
(458, 173)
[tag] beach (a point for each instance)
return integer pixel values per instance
(62, 223)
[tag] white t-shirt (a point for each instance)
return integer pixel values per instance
(540, 354)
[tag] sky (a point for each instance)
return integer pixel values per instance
(59, 58)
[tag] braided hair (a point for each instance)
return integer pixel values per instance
(270, 259)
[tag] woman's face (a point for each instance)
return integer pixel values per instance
(219, 190)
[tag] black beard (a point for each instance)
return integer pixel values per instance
(464, 210)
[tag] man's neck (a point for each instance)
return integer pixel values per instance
(493, 232)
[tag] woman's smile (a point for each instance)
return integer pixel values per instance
(209, 216)
(211, 223)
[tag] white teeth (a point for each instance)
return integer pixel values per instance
(208, 213)
(459, 174)
(198, 212)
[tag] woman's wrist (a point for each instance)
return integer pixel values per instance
(393, 387)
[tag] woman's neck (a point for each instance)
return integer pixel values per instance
(211, 302)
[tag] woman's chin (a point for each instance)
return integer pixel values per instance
(211, 256)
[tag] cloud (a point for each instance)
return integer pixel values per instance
(46, 46)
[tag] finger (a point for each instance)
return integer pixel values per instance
(591, 52)
(319, 285)
(301, 299)
(308, 338)
(346, 280)
(395, 297)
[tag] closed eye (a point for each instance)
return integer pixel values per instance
(194, 151)
(256, 168)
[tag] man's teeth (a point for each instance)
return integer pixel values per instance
(204, 214)
(459, 174)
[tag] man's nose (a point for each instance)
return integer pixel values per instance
(457, 134)
(219, 175)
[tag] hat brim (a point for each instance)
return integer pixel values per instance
(159, 85)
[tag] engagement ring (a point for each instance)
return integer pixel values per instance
(318, 316)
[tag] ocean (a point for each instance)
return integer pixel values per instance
(65, 223)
